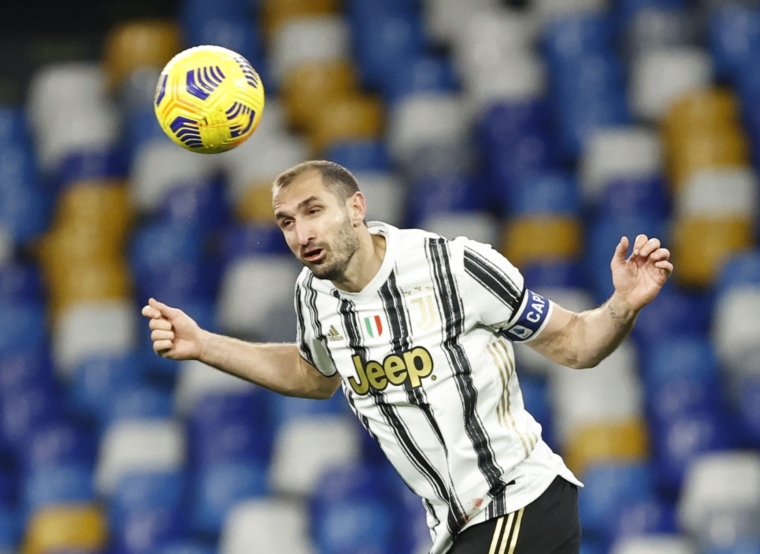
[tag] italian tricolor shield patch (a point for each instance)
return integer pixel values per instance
(374, 326)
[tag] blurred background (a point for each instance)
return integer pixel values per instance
(548, 128)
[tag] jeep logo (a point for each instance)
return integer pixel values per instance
(412, 366)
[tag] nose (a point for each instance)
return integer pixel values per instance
(304, 233)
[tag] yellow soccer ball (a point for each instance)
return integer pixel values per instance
(209, 99)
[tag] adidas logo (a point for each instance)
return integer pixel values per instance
(333, 334)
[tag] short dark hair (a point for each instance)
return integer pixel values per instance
(336, 178)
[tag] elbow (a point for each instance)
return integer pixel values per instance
(583, 361)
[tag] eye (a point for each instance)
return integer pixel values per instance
(315, 210)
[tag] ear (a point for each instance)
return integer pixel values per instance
(357, 207)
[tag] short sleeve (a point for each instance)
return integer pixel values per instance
(309, 346)
(497, 290)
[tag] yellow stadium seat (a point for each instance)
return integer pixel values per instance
(136, 44)
(255, 206)
(526, 240)
(78, 245)
(701, 245)
(605, 442)
(355, 117)
(276, 12)
(308, 87)
(707, 110)
(108, 280)
(74, 527)
(700, 150)
(101, 206)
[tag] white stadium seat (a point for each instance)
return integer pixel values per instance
(660, 77)
(479, 226)
(443, 18)
(305, 447)
(266, 526)
(308, 39)
(608, 393)
(262, 158)
(426, 119)
(720, 498)
(6, 245)
(654, 544)
(386, 195)
(717, 192)
(139, 90)
(138, 445)
(519, 77)
(89, 329)
(196, 379)
(653, 29)
(255, 293)
(160, 165)
(736, 328)
(548, 9)
(618, 152)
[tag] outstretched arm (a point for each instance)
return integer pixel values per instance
(585, 339)
(277, 367)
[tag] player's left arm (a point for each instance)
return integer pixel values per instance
(582, 340)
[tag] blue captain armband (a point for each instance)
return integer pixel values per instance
(531, 319)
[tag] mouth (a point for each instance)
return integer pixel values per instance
(313, 255)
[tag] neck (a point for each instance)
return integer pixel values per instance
(364, 264)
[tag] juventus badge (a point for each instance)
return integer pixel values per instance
(427, 312)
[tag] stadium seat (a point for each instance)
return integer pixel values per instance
(145, 490)
(138, 403)
(138, 91)
(256, 297)
(612, 388)
(21, 327)
(719, 193)
(238, 34)
(660, 26)
(346, 527)
(307, 39)
(221, 487)
(735, 327)
(609, 487)
(560, 274)
(136, 44)
(356, 117)
(91, 329)
(158, 244)
(27, 410)
(11, 524)
(643, 517)
(698, 150)
(542, 194)
(92, 165)
(654, 544)
(521, 76)
(139, 445)
(185, 547)
(528, 239)
(443, 17)
(290, 410)
(603, 442)
(6, 244)
(100, 204)
(145, 530)
(56, 485)
(443, 161)
(276, 13)
(574, 35)
(360, 156)
(303, 449)
(734, 36)
(424, 119)
(243, 241)
(674, 313)
(73, 527)
(701, 244)
(307, 88)
(419, 74)
(273, 525)
(86, 283)
(478, 226)
(158, 166)
(443, 195)
(708, 110)
(613, 153)
(625, 197)
(505, 123)
(24, 369)
(721, 497)
(203, 205)
(739, 547)
(741, 269)
(660, 77)
(57, 444)
(196, 379)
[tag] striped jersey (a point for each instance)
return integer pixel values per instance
(425, 357)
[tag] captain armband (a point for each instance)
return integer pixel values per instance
(531, 319)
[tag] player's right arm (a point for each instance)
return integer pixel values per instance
(277, 367)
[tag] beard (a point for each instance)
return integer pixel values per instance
(338, 255)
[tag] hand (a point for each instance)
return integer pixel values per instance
(639, 278)
(175, 334)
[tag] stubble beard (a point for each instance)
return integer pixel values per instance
(346, 245)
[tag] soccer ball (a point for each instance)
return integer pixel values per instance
(209, 99)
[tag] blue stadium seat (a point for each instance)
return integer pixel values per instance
(136, 492)
(12, 125)
(674, 313)
(24, 369)
(554, 274)
(144, 531)
(27, 410)
(504, 124)
(748, 407)
(634, 196)
(97, 164)
(60, 484)
(142, 127)
(545, 193)
(161, 244)
(193, 13)
(743, 546)
(627, 8)
(678, 441)
(100, 379)
(602, 238)
(352, 482)
(578, 119)
(59, 443)
(384, 39)
(288, 408)
(24, 210)
(734, 33)
(186, 547)
(141, 402)
(608, 488)
(8, 486)
(202, 311)
(238, 33)
(22, 283)
(11, 526)
(17, 166)
(181, 282)
(253, 240)
(642, 517)
(348, 527)
(360, 155)
(571, 36)
(361, 11)
(204, 205)
(538, 404)
(741, 269)
(219, 487)
(505, 170)
(443, 195)
(588, 78)
(423, 74)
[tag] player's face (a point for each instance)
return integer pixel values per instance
(317, 226)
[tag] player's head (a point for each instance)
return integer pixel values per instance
(320, 210)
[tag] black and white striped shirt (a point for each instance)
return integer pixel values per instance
(426, 362)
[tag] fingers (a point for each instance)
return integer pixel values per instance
(649, 247)
(163, 309)
(621, 249)
(640, 241)
(160, 324)
(161, 347)
(162, 335)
